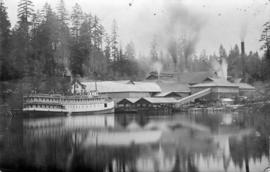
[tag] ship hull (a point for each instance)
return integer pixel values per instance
(37, 113)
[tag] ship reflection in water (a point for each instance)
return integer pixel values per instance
(134, 143)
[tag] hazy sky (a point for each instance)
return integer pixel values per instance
(215, 21)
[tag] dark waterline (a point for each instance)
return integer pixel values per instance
(114, 143)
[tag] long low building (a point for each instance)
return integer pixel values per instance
(219, 89)
(144, 104)
(119, 90)
(223, 89)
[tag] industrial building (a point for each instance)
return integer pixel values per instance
(219, 89)
(151, 104)
(118, 90)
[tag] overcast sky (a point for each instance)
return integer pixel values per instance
(217, 21)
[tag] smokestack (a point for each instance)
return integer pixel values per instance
(242, 48)
(243, 54)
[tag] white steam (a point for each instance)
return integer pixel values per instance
(220, 67)
(158, 67)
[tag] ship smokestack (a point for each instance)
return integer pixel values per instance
(243, 54)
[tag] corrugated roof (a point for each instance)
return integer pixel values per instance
(114, 86)
(160, 100)
(216, 83)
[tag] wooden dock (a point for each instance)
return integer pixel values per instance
(210, 110)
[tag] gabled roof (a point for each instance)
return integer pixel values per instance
(216, 83)
(159, 100)
(193, 77)
(130, 100)
(182, 77)
(117, 87)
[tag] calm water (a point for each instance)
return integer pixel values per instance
(111, 143)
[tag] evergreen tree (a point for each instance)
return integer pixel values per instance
(4, 31)
(62, 13)
(7, 71)
(265, 38)
(76, 20)
(114, 41)
(107, 50)
(222, 52)
(234, 62)
(130, 51)
(21, 37)
(45, 45)
(63, 35)
(25, 12)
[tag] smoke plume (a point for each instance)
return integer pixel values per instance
(243, 31)
(184, 28)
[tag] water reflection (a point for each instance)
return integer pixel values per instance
(109, 143)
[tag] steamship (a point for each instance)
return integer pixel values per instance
(76, 103)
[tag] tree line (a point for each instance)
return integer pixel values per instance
(53, 42)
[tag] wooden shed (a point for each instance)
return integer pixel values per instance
(146, 104)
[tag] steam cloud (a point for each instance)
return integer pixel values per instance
(220, 67)
(158, 67)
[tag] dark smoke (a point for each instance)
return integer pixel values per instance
(183, 23)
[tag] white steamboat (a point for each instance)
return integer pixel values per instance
(80, 103)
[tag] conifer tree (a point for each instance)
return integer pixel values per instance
(25, 12)
(5, 62)
(114, 41)
(62, 13)
(76, 20)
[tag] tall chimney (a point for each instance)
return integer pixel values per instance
(243, 54)
(242, 48)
